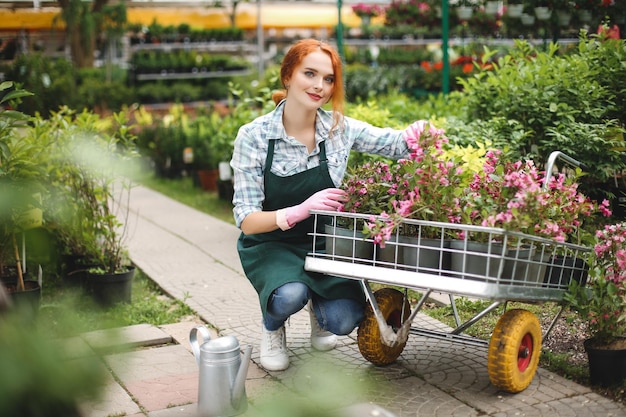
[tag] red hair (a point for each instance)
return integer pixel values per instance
(293, 58)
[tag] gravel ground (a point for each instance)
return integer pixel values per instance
(567, 337)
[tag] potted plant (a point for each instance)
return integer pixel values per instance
(91, 186)
(424, 186)
(367, 11)
(516, 196)
(465, 8)
(601, 306)
(19, 187)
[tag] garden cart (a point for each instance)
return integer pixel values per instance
(478, 262)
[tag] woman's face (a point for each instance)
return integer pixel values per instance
(312, 82)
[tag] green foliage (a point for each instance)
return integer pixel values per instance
(37, 378)
(600, 305)
(366, 82)
(549, 97)
(97, 94)
(89, 163)
(20, 173)
(52, 82)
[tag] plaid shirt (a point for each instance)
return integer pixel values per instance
(292, 157)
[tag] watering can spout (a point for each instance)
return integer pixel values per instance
(238, 390)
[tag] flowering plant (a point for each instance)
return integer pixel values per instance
(370, 188)
(367, 10)
(513, 196)
(426, 185)
(439, 183)
(602, 303)
(592, 5)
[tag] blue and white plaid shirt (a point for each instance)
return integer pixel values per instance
(292, 157)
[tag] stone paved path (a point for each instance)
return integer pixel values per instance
(193, 257)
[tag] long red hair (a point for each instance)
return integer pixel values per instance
(293, 58)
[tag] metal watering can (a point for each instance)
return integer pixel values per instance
(221, 391)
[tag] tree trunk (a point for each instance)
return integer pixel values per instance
(83, 23)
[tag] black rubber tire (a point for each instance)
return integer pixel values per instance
(514, 350)
(390, 302)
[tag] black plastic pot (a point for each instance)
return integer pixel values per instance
(110, 289)
(562, 270)
(607, 367)
(27, 300)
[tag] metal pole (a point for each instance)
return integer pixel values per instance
(340, 31)
(259, 37)
(445, 82)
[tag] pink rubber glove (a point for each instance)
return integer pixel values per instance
(327, 199)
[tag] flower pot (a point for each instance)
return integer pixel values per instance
(28, 300)
(475, 260)
(515, 10)
(525, 266)
(392, 255)
(208, 179)
(464, 12)
(491, 7)
(543, 13)
(561, 270)
(564, 17)
(584, 16)
(109, 289)
(348, 244)
(427, 255)
(527, 19)
(607, 364)
(225, 190)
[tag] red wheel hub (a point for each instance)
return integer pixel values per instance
(525, 352)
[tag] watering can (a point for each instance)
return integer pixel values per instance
(221, 390)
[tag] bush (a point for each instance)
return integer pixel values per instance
(551, 100)
(52, 81)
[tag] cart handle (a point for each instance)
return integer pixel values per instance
(552, 160)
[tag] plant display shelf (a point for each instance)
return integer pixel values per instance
(188, 75)
(507, 266)
(224, 47)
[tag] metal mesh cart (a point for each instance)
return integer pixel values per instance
(486, 263)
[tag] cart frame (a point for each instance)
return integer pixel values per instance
(512, 266)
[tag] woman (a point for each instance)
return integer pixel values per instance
(286, 163)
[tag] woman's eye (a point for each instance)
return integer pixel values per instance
(329, 80)
(309, 73)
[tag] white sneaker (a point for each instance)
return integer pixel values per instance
(274, 356)
(321, 339)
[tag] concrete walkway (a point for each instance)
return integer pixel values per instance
(192, 256)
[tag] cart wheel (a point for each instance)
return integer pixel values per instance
(369, 339)
(514, 350)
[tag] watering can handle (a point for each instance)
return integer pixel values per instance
(193, 340)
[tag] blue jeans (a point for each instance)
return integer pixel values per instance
(339, 316)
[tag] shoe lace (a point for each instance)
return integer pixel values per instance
(275, 339)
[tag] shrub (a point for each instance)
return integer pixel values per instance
(550, 99)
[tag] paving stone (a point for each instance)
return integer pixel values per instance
(152, 363)
(165, 392)
(189, 410)
(114, 401)
(180, 331)
(125, 338)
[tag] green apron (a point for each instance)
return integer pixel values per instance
(273, 259)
